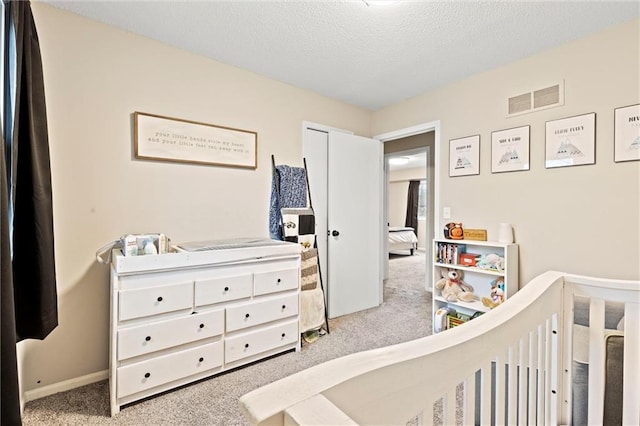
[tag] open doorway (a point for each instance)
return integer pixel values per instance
(416, 148)
(407, 216)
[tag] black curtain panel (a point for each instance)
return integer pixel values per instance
(34, 275)
(411, 219)
(10, 414)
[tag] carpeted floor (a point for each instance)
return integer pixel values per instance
(404, 315)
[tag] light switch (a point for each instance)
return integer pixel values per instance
(446, 212)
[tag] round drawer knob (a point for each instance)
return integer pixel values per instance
(283, 334)
(201, 359)
(226, 289)
(284, 306)
(246, 315)
(201, 325)
(147, 375)
(279, 280)
(147, 338)
(246, 345)
(159, 298)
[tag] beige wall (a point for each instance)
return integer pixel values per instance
(397, 199)
(96, 76)
(582, 220)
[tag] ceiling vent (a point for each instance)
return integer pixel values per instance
(547, 97)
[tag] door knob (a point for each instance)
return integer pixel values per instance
(335, 233)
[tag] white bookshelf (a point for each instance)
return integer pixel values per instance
(480, 279)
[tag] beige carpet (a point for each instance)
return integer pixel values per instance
(404, 315)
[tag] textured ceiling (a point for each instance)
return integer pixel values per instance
(369, 56)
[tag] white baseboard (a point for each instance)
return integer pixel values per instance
(64, 386)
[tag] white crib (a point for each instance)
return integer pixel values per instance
(513, 365)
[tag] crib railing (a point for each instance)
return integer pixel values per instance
(512, 365)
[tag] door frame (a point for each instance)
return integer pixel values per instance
(432, 126)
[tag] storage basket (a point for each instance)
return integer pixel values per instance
(454, 320)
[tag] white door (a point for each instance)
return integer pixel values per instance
(354, 216)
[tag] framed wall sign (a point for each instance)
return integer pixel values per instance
(464, 156)
(626, 133)
(173, 139)
(571, 141)
(510, 149)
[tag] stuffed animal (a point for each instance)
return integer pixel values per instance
(453, 288)
(497, 294)
(491, 261)
(454, 231)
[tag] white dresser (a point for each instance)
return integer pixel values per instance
(181, 317)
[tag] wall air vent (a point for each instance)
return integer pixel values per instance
(519, 104)
(547, 97)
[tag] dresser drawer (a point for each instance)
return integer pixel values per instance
(142, 339)
(252, 343)
(223, 289)
(255, 313)
(274, 281)
(163, 369)
(155, 300)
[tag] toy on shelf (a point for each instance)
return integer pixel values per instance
(491, 262)
(453, 288)
(454, 231)
(497, 294)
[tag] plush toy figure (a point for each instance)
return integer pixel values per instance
(453, 288)
(497, 294)
(491, 261)
(454, 231)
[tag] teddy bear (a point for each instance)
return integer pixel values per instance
(497, 294)
(453, 288)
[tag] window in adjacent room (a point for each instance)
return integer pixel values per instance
(422, 200)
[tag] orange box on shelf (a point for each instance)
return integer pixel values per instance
(468, 259)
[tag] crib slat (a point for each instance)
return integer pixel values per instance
(531, 374)
(449, 407)
(555, 365)
(468, 401)
(596, 361)
(542, 384)
(631, 382)
(547, 373)
(500, 389)
(522, 380)
(512, 385)
(485, 394)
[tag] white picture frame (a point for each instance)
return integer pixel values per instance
(570, 141)
(626, 133)
(464, 156)
(510, 149)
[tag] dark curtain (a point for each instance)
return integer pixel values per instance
(411, 219)
(34, 275)
(9, 377)
(29, 299)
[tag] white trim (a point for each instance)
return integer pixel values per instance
(65, 385)
(416, 130)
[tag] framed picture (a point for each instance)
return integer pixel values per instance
(510, 149)
(173, 139)
(571, 141)
(464, 156)
(626, 133)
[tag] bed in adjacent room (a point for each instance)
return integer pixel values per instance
(402, 238)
